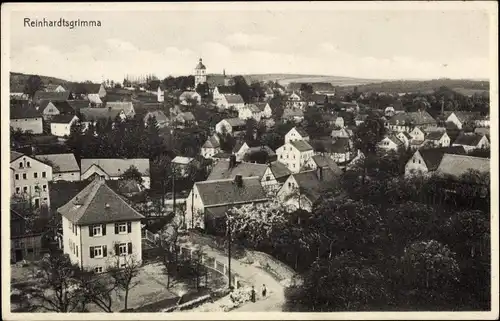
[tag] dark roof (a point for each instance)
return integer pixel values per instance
(79, 104)
(20, 112)
(221, 170)
(64, 107)
(224, 192)
(211, 142)
(158, 114)
(262, 106)
(62, 118)
(414, 118)
(234, 99)
(341, 145)
(200, 65)
(63, 162)
(301, 145)
(98, 203)
(226, 90)
(215, 80)
(469, 139)
(311, 185)
(432, 156)
(85, 88)
(99, 113)
(436, 135)
(51, 95)
(326, 162)
(458, 165)
(15, 155)
(301, 131)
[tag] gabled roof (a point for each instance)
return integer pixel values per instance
(115, 167)
(78, 104)
(52, 87)
(92, 114)
(226, 191)
(126, 106)
(20, 112)
(62, 119)
(414, 118)
(301, 145)
(221, 170)
(63, 106)
(279, 170)
(469, 139)
(51, 95)
(234, 99)
(253, 108)
(326, 162)
(457, 165)
(211, 142)
(295, 112)
(85, 88)
(394, 139)
(60, 163)
(188, 95)
(436, 135)
(235, 122)
(186, 116)
(15, 155)
(465, 116)
(302, 132)
(309, 183)
(262, 106)
(432, 156)
(97, 203)
(340, 146)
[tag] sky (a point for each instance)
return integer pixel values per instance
(381, 44)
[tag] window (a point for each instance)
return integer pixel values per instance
(419, 162)
(44, 174)
(77, 250)
(71, 227)
(18, 190)
(97, 230)
(24, 176)
(289, 184)
(35, 175)
(97, 251)
(268, 178)
(25, 189)
(122, 249)
(123, 266)
(98, 269)
(44, 188)
(122, 228)
(28, 164)
(21, 165)
(17, 176)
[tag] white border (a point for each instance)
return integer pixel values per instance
(489, 6)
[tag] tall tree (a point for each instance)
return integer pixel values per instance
(33, 84)
(124, 273)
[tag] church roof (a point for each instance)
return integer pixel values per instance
(200, 65)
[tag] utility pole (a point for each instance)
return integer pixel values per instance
(229, 250)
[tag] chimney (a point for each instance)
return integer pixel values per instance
(232, 161)
(238, 179)
(107, 206)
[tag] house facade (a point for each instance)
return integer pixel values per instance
(296, 133)
(231, 101)
(295, 154)
(64, 166)
(100, 229)
(296, 101)
(250, 111)
(390, 143)
(26, 118)
(113, 168)
(438, 139)
(211, 147)
(60, 125)
(472, 141)
(230, 126)
(31, 179)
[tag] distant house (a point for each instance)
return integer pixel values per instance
(360, 118)
(426, 161)
(250, 111)
(240, 149)
(231, 101)
(293, 115)
(60, 125)
(17, 91)
(92, 115)
(26, 118)
(88, 91)
(160, 94)
(471, 141)
(271, 175)
(220, 91)
(52, 108)
(185, 118)
(295, 154)
(417, 134)
(458, 165)
(64, 166)
(340, 150)
(79, 104)
(269, 93)
(296, 133)
(462, 118)
(189, 98)
(208, 201)
(301, 190)
(340, 133)
(50, 96)
(405, 138)
(390, 143)
(482, 121)
(230, 126)
(126, 106)
(326, 164)
(339, 122)
(160, 117)
(23, 245)
(211, 147)
(438, 139)
(265, 109)
(323, 88)
(100, 229)
(182, 164)
(113, 168)
(295, 101)
(54, 88)
(406, 121)
(316, 100)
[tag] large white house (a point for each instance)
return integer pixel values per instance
(113, 168)
(295, 154)
(390, 143)
(60, 125)
(296, 133)
(471, 141)
(64, 166)
(231, 101)
(100, 229)
(26, 118)
(425, 161)
(250, 111)
(30, 179)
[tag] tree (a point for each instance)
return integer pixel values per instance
(33, 84)
(306, 88)
(469, 232)
(345, 283)
(368, 135)
(132, 173)
(58, 287)
(430, 271)
(241, 87)
(97, 289)
(202, 89)
(123, 272)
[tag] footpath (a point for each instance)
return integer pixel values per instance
(255, 276)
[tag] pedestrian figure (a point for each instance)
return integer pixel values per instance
(252, 294)
(264, 290)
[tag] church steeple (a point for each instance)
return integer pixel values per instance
(200, 76)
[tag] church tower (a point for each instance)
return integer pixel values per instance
(200, 75)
